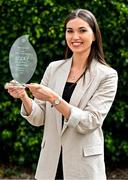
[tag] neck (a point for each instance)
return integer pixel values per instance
(79, 61)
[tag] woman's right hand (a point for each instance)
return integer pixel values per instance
(16, 91)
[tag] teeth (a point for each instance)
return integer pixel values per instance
(76, 43)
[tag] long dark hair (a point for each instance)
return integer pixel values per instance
(96, 47)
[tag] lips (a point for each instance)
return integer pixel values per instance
(77, 43)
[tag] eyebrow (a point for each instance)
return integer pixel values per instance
(79, 28)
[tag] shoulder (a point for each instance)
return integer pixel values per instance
(105, 70)
(52, 69)
(58, 63)
(102, 72)
(105, 75)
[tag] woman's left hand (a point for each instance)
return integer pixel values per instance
(40, 92)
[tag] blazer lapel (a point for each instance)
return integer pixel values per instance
(83, 85)
(61, 78)
(81, 88)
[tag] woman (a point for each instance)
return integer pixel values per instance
(72, 101)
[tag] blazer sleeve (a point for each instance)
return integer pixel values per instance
(37, 116)
(92, 116)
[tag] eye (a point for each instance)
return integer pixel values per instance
(69, 31)
(82, 30)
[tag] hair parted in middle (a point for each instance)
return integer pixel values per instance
(96, 47)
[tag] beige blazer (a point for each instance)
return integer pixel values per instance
(81, 138)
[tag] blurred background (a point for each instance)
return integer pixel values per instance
(43, 21)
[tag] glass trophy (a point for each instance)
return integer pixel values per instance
(22, 61)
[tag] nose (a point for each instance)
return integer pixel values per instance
(75, 35)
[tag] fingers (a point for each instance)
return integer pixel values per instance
(34, 87)
(12, 84)
(38, 91)
(16, 92)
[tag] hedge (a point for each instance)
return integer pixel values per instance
(43, 21)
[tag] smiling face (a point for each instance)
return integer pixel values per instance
(79, 35)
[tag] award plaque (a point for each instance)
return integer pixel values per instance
(22, 60)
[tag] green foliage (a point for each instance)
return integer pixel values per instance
(116, 127)
(43, 20)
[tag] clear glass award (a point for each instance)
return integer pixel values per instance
(22, 61)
